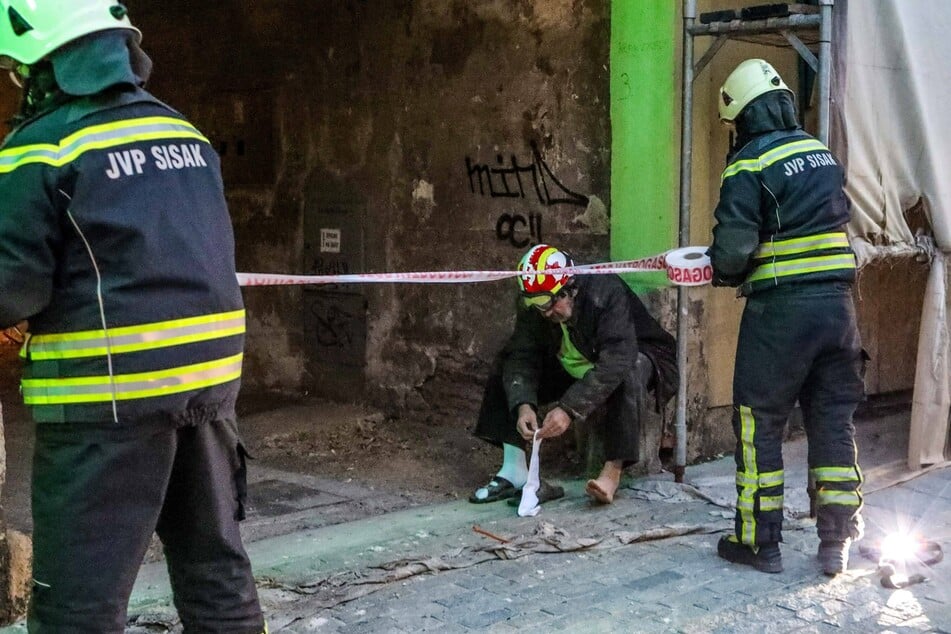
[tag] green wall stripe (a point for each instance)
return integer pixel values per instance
(644, 137)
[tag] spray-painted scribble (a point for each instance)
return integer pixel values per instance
(509, 180)
(512, 179)
(518, 230)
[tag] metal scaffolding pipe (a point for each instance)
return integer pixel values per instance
(825, 68)
(799, 21)
(686, 156)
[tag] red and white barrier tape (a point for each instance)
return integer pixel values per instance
(688, 266)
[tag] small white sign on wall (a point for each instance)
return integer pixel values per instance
(330, 240)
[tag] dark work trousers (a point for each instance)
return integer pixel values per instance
(797, 341)
(98, 495)
(619, 418)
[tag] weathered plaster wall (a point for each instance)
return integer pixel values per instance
(426, 135)
(416, 131)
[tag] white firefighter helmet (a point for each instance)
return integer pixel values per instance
(749, 80)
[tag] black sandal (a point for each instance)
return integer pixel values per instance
(546, 493)
(498, 489)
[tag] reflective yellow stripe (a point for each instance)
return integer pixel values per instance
(836, 474)
(744, 502)
(762, 481)
(98, 137)
(802, 266)
(781, 248)
(99, 389)
(90, 343)
(776, 154)
(745, 480)
(771, 503)
(771, 479)
(842, 498)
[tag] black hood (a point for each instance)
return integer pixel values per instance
(773, 111)
(98, 61)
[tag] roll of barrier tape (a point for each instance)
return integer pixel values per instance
(689, 266)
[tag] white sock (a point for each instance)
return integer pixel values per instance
(514, 469)
(514, 466)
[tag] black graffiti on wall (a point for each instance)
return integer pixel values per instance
(337, 322)
(514, 179)
(512, 227)
(508, 180)
(322, 266)
(334, 325)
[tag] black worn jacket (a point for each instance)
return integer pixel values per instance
(609, 326)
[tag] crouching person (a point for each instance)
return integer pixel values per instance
(581, 342)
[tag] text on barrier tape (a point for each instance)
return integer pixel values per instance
(687, 266)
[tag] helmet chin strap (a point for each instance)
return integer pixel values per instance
(40, 91)
(19, 74)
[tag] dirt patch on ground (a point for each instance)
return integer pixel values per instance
(418, 459)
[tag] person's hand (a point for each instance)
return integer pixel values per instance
(555, 424)
(14, 335)
(527, 421)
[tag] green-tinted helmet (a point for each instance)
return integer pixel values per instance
(749, 80)
(32, 29)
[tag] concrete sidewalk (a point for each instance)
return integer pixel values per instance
(574, 572)
(646, 563)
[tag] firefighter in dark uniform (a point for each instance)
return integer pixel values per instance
(116, 248)
(779, 237)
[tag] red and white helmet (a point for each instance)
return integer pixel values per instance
(542, 287)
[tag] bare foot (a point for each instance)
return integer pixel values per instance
(603, 487)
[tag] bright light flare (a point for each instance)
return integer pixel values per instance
(900, 547)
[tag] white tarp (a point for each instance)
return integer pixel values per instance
(891, 95)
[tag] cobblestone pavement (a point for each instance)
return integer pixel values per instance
(569, 569)
(646, 563)
(669, 585)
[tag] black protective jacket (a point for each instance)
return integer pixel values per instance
(117, 246)
(609, 326)
(781, 214)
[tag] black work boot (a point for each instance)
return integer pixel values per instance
(765, 557)
(834, 556)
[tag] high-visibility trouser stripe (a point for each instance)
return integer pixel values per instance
(782, 248)
(841, 498)
(99, 389)
(802, 266)
(776, 154)
(92, 343)
(98, 137)
(771, 503)
(762, 480)
(744, 503)
(836, 474)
